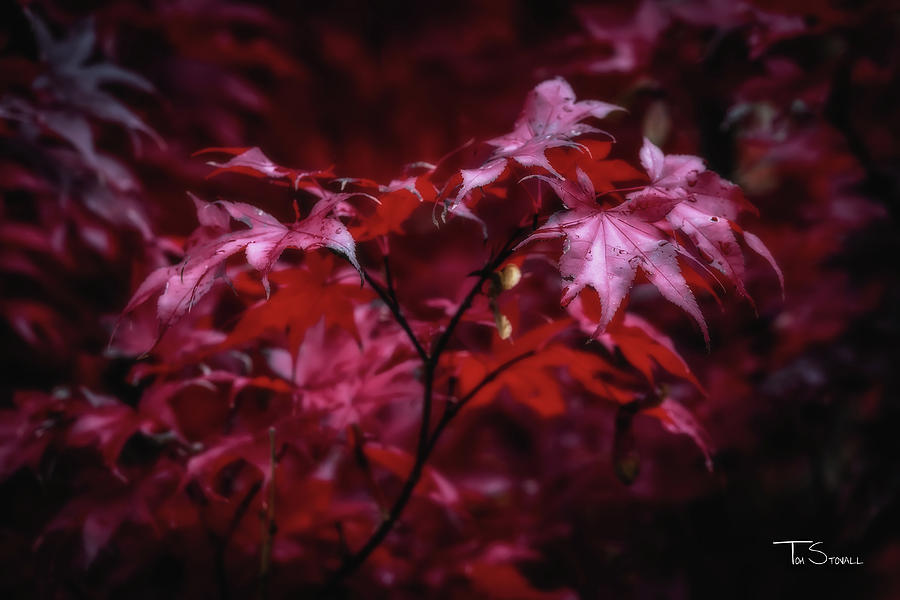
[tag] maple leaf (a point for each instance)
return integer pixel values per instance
(400, 462)
(77, 85)
(416, 181)
(252, 161)
(25, 430)
(670, 175)
(628, 39)
(399, 199)
(532, 377)
(347, 379)
(703, 207)
(641, 343)
(389, 217)
(675, 418)
(304, 296)
(263, 242)
(530, 380)
(550, 119)
(605, 248)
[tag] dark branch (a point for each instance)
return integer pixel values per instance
(389, 280)
(387, 298)
(356, 560)
(453, 409)
(483, 276)
(426, 441)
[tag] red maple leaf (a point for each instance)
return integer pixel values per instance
(675, 418)
(303, 297)
(641, 343)
(532, 377)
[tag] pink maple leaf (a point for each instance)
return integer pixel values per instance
(604, 248)
(703, 207)
(550, 118)
(263, 242)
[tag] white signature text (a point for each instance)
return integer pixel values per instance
(805, 552)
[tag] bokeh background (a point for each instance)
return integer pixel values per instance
(794, 101)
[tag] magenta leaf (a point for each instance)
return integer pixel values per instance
(551, 118)
(604, 248)
(263, 242)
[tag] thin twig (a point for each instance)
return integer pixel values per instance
(483, 276)
(453, 409)
(397, 313)
(389, 280)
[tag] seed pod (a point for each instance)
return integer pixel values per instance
(504, 327)
(510, 275)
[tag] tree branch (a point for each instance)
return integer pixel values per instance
(454, 408)
(426, 442)
(483, 276)
(389, 280)
(356, 560)
(389, 299)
